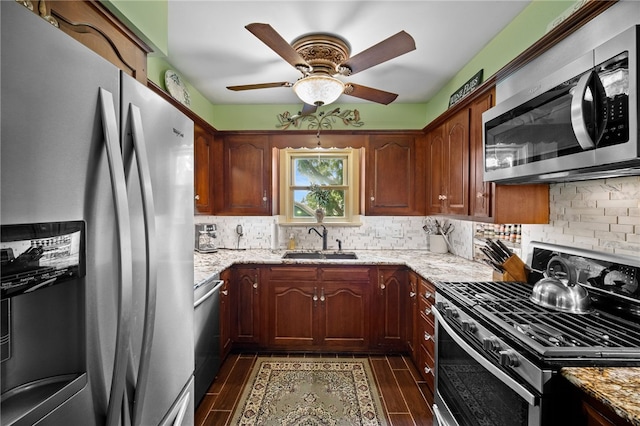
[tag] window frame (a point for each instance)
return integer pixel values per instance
(350, 184)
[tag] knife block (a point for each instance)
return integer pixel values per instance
(515, 269)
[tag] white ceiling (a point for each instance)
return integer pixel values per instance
(210, 47)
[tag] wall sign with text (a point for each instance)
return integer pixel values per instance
(466, 88)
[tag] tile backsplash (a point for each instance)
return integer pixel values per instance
(601, 215)
(375, 233)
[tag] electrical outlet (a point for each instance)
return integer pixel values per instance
(397, 233)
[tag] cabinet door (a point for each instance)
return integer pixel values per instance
(436, 170)
(390, 308)
(247, 175)
(246, 292)
(292, 298)
(343, 315)
(225, 314)
(203, 140)
(394, 184)
(412, 319)
(457, 160)
(479, 190)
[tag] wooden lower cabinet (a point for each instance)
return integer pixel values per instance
(390, 308)
(245, 298)
(318, 308)
(426, 334)
(225, 314)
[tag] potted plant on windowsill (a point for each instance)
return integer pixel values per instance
(321, 197)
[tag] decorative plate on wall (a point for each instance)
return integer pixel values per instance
(176, 87)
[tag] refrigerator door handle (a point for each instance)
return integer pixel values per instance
(148, 207)
(125, 259)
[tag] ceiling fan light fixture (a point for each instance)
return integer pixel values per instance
(318, 89)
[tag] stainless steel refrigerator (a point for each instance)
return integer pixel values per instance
(97, 247)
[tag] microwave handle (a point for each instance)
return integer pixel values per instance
(590, 79)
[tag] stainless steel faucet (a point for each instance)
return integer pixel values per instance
(323, 235)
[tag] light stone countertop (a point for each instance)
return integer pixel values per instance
(618, 388)
(432, 266)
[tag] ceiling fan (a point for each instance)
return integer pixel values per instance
(320, 57)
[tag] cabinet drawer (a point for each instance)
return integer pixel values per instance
(425, 307)
(344, 274)
(427, 292)
(427, 368)
(293, 273)
(426, 334)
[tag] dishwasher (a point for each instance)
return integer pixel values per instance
(206, 314)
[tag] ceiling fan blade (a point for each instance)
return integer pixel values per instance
(370, 94)
(271, 38)
(308, 109)
(390, 48)
(259, 86)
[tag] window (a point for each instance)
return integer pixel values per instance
(313, 178)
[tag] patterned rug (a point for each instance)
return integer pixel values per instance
(309, 392)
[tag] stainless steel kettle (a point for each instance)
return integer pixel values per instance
(559, 289)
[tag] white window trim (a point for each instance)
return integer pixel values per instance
(352, 186)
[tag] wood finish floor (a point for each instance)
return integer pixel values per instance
(399, 383)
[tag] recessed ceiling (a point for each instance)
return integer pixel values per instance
(209, 45)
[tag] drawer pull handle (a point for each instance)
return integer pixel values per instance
(428, 295)
(224, 292)
(428, 370)
(427, 311)
(412, 294)
(427, 336)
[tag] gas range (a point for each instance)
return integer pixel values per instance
(530, 342)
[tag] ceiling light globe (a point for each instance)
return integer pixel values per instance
(318, 89)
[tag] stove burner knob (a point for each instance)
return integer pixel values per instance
(491, 344)
(509, 358)
(469, 326)
(451, 312)
(442, 305)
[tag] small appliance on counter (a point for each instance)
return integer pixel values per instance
(205, 236)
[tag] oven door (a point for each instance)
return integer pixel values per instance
(472, 390)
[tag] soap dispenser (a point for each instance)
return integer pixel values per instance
(292, 242)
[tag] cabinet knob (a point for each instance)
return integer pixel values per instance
(427, 311)
(255, 282)
(412, 294)
(428, 294)
(322, 295)
(224, 292)
(427, 369)
(480, 195)
(427, 336)
(197, 197)
(444, 197)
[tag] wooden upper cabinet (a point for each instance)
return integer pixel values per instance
(457, 164)
(246, 182)
(479, 190)
(394, 176)
(435, 169)
(448, 171)
(203, 160)
(93, 25)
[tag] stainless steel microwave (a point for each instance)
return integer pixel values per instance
(580, 122)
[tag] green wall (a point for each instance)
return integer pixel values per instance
(149, 19)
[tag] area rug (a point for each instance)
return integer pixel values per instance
(310, 391)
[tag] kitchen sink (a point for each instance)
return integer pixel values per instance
(318, 255)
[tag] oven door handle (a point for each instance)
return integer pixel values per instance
(501, 375)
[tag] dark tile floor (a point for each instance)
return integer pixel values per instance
(403, 392)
